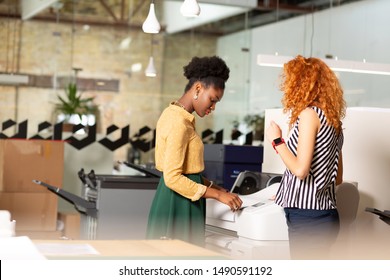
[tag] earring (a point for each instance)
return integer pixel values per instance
(196, 96)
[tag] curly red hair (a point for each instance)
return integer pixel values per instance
(310, 82)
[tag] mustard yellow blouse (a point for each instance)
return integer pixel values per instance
(179, 150)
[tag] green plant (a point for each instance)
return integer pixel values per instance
(257, 124)
(74, 104)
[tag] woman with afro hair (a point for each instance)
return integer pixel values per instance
(178, 208)
(313, 98)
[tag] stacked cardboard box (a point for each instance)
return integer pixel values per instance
(71, 224)
(32, 206)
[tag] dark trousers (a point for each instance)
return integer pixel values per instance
(311, 232)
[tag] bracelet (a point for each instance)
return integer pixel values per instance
(211, 183)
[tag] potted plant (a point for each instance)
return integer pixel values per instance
(235, 132)
(256, 122)
(72, 107)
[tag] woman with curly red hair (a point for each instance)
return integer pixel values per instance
(313, 98)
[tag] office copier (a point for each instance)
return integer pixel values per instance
(113, 206)
(258, 230)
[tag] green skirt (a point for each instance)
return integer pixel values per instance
(172, 216)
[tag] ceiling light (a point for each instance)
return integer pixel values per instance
(125, 43)
(136, 67)
(190, 8)
(151, 24)
(334, 64)
(151, 70)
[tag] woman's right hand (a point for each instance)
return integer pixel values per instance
(273, 131)
(230, 199)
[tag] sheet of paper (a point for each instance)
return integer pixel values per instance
(61, 249)
(250, 201)
(19, 248)
(218, 210)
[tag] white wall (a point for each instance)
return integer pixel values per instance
(366, 156)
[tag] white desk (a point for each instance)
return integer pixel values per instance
(123, 249)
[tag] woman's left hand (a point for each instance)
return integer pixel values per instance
(273, 131)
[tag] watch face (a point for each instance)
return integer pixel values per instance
(278, 141)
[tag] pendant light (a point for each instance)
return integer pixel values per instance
(150, 71)
(190, 8)
(151, 24)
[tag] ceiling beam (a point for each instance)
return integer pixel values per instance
(108, 9)
(138, 8)
(270, 5)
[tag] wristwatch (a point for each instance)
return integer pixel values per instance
(277, 142)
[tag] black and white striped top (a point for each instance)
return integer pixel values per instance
(317, 190)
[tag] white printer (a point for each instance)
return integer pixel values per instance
(258, 230)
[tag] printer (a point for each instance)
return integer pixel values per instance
(258, 230)
(113, 207)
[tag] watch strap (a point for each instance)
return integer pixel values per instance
(276, 142)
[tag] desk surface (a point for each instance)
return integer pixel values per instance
(123, 249)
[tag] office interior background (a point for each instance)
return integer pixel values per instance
(103, 46)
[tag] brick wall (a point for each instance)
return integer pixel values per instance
(50, 48)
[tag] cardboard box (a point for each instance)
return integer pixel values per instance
(71, 224)
(22, 161)
(31, 211)
(37, 235)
